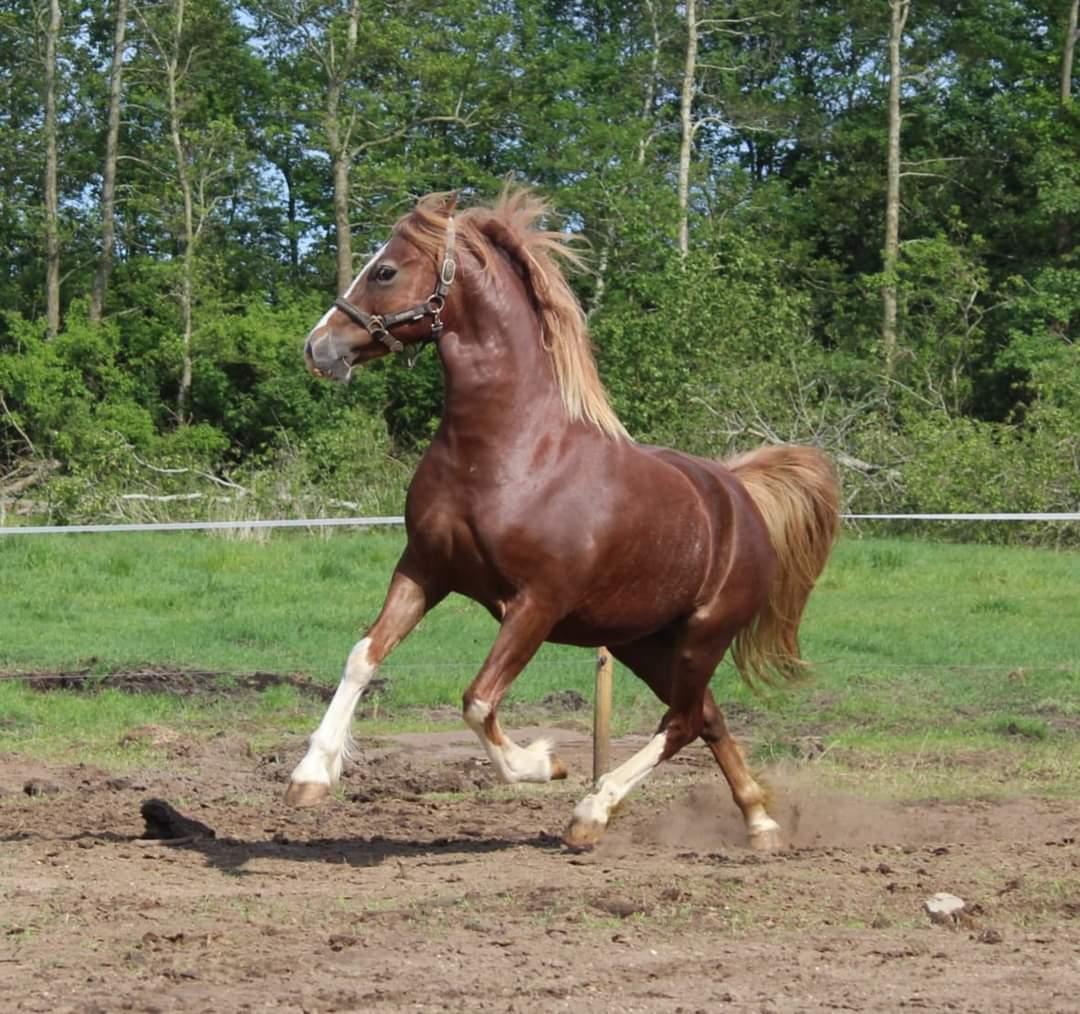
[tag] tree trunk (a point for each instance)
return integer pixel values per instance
(294, 234)
(1063, 228)
(339, 139)
(183, 178)
(52, 200)
(108, 185)
(649, 101)
(341, 223)
(339, 155)
(899, 12)
(686, 124)
(1072, 34)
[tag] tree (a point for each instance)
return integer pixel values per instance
(898, 15)
(52, 197)
(108, 178)
(202, 158)
(686, 124)
(366, 92)
(1068, 49)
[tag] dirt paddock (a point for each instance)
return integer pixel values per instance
(426, 887)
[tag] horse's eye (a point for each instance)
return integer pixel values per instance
(385, 272)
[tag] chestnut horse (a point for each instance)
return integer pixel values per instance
(534, 501)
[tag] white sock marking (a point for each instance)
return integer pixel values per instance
(512, 763)
(331, 742)
(760, 823)
(614, 786)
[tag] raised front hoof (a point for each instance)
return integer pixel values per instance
(766, 839)
(558, 769)
(303, 794)
(583, 834)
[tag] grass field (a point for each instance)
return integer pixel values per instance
(963, 659)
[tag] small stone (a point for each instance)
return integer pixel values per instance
(944, 909)
(119, 784)
(621, 908)
(989, 936)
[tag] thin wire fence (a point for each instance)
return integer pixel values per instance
(391, 521)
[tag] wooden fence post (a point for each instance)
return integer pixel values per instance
(602, 714)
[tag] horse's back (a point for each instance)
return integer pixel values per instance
(683, 538)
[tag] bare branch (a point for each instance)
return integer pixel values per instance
(15, 425)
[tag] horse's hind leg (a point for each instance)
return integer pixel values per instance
(311, 780)
(764, 832)
(523, 630)
(678, 670)
(652, 660)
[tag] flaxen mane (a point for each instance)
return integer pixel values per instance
(512, 225)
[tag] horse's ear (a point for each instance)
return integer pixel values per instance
(451, 202)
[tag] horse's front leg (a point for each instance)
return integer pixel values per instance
(406, 603)
(524, 628)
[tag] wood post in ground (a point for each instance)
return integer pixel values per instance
(602, 714)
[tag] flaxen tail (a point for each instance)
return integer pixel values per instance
(797, 492)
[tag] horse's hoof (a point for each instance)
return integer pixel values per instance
(558, 769)
(302, 794)
(766, 839)
(583, 834)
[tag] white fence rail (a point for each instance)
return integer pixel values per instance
(393, 520)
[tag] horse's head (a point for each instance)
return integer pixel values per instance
(397, 300)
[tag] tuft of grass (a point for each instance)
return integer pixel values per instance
(996, 605)
(1019, 725)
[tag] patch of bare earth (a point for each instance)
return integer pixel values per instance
(425, 887)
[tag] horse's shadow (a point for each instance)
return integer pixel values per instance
(234, 855)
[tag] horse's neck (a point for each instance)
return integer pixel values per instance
(500, 384)
(494, 393)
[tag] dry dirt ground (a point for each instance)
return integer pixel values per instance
(424, 887)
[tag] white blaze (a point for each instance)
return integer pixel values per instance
(325, 319)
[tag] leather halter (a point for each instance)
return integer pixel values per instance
(378, 325)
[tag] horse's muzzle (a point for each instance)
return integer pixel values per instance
(323, 361)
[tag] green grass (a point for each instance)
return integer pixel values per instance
(911, 639)
(293, 604)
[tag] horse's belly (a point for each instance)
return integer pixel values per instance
(617, 623)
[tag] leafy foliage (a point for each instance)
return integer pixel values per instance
(227, 235)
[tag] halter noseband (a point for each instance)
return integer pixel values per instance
(378, 325)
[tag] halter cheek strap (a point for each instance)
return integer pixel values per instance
(379, 325)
